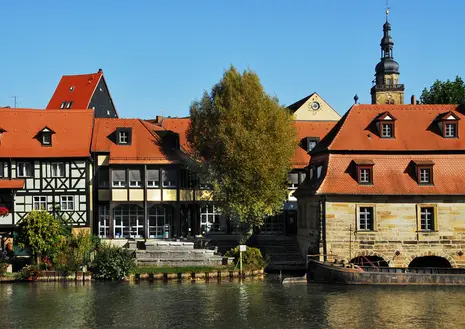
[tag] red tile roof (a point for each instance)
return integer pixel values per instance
(304, 129)
(72, 137)
(391, 176)
(11, 184)
(76, 88)
(145, 147)
(178, 125)
(415, 129)
(309, 129)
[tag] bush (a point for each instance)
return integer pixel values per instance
(40, 232)
(112, 263)
(3, 262)
(29, 272)
(252, 258)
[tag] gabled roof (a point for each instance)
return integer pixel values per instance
(415, 130)
(146, 146)
(392, 175)
(309, 129)
(73, 131)
(75, 88)
(295, 106)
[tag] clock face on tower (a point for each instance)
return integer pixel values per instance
(315, 106)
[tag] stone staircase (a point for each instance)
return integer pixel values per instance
(173, 253)
(283, 252)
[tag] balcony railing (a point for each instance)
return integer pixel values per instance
(389, 87)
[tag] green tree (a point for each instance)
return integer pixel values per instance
(40, 232)
(444, 92)
(243, 141)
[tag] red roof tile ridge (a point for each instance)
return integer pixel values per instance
(143, 123)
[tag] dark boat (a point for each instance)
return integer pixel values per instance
(352, 274)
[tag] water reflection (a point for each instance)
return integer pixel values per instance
(257, 304)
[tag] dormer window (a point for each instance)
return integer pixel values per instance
(45, 136)
(385, 123)
(448, 124)
(424, 172)
(364, 171)
(123, 136)
(66, 105)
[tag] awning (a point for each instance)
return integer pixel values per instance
(11, 184)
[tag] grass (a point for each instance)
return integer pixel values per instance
(182, 269)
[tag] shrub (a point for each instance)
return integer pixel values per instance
(40, 232)
(112, 263)
(252, 258)
(29, 272)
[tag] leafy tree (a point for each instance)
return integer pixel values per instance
(447, 92)
(39, 232)
(243, 141)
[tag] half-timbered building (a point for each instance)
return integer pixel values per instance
(45, 164)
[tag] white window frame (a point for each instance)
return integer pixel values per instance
(39, 203)
(57, 173)
(425, 175)
(123, 137)
(386, 130)
(22, 169)
(451, 130)
(104, 221)
(46, 139)
(365, 175)
(67, 200)
(135, 183)
(153, 183)
(363, 218)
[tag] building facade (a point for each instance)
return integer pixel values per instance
(45, 165)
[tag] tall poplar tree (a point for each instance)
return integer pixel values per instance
(243, 140)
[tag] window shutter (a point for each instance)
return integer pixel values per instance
(293, 178)
(119, 175)
(153, 175)
(134, 175)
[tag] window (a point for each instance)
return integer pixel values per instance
(71, 88)
(425, 175)
(153, 178)
(123, 137)
(39, 203)
(67, 203)
(1, 169)
(46, 139)
(450, 130)
(63, 104)
(157, 221)
(386, 130)
(427, 218)
(311, 144)
(365, 174)
(135, 178)
(24, 169)
(319, 169)
(103, 221)
(209, 219)
(365, 219)
(119, 178)
(58, 169)
(103, 177)
(169, 177)
(68, 105)
(293, 180)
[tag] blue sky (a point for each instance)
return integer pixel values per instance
(159, 56)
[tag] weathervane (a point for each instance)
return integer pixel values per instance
(387, 8)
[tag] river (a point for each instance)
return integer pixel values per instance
(252, 304)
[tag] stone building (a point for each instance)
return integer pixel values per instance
(385, 185)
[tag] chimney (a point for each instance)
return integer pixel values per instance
(159, 119)
(413, 100)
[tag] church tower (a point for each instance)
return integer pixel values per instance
(387, 89)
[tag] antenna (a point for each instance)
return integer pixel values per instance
(16, 100)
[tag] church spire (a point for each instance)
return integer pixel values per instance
(387, 89)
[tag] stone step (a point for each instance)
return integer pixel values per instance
(150, 253)
(179, 263)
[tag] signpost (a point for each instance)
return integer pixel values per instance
(242, 247)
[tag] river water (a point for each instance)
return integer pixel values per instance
(251, 304)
